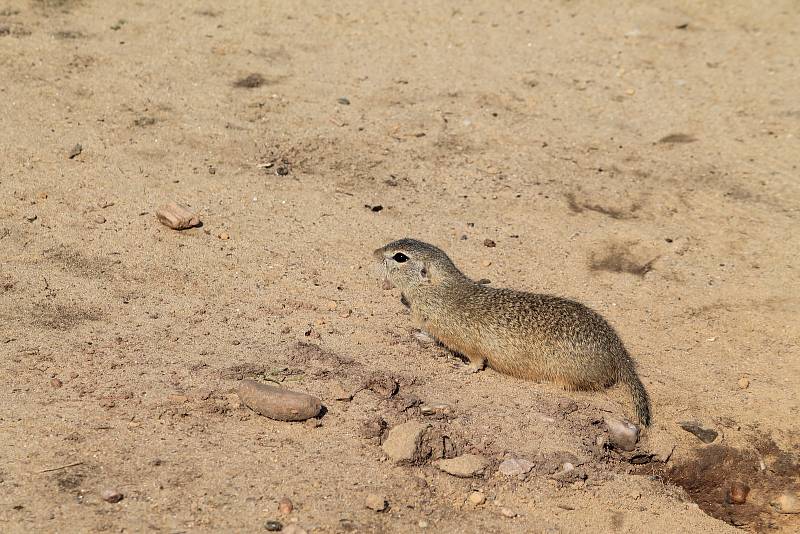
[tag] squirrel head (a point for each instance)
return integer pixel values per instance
(415, 266)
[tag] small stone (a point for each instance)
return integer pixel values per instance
(738, 492)
(376, 503)
(56, 383)
(111, 496)
(423, 524)
(75, 151)
(787, 503)
(706, 435)
(744, 383)
(285, 506)
(486, 263)
(440, 409)
(343, 101)
(273, 526)
(313, 423)
(278, 403)
(464, 466)
(622, 434)
(99, 219)
(476, 498)
(489, 243)
(176, 216)
(515, 467)
(341, 393)
(41, 195)
(424, 337)
(31, 217)
(403, 442)
(508, 512)
(224, 236)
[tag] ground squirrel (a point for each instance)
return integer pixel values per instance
(526, 335)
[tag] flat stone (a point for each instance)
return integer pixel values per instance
(787, 503)
(403, 442)
(464, 466)
(515, 467)
(706, 435)
(376, 503)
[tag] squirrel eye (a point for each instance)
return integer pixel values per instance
(400, 257)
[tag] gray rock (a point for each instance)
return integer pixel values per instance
(622, 434)
(706, 435)
(515, 467)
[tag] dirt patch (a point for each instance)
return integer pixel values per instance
(711, 479)
(618, 258)
(615, 213)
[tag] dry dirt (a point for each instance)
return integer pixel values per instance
(643, 160)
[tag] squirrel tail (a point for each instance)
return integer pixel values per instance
(641, 402)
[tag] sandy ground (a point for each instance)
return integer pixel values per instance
(643, 160)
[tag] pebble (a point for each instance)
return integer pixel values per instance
(622, 434)
(489, 243)
(75, 151)
(706, 435)
(424, 337)
(343, 101)
(278, 403)
(423, 524)
(224, 236)
(285, 506)
(99, 219)
(313, 423)
(31, 217)
(176, 216)
(738, 492)
(512, 467)
(56, 383)
(111, 496)
(486, 263)
(464, 466)
(476, 498)
(508, 512)
(440, 409)
(273, 526)
(403, 442)
(787, 503)
(744, 383)
(376, 503)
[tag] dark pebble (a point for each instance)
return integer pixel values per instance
(706, 435)
(343, 101)
(489, 243)
(75, 152)
(273, 526)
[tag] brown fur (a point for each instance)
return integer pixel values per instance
(526, 335)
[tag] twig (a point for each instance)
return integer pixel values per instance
(60, 467)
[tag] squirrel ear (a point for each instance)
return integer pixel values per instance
(425, 273)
